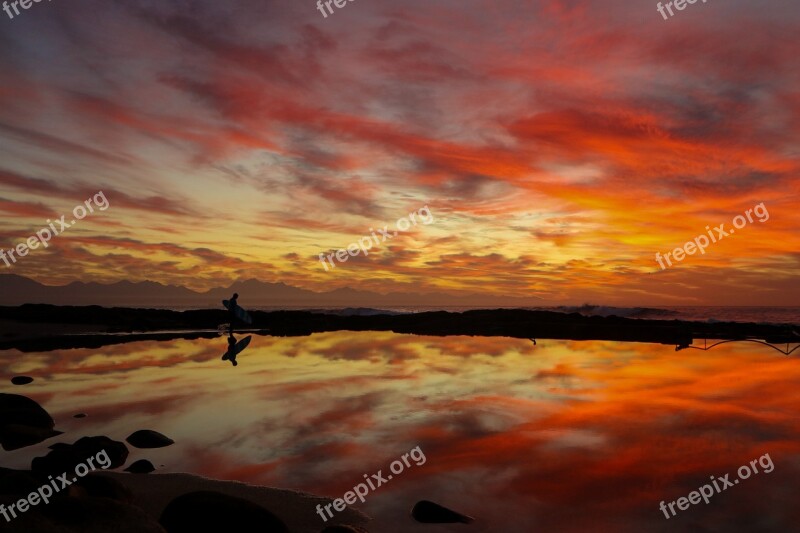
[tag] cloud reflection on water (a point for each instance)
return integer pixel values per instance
(563, 436)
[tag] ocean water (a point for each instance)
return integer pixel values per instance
(560, 436)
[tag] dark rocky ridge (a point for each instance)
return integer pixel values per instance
(149, 324)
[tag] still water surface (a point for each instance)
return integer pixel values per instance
(562, 436)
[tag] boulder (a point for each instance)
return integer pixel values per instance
(215, 511)
(100, 486)
(83, 515)
(145, 438)
(13, 482)
(23, 422)
(16, 409)
(427, 512)
(15, 436)
(142, 466)
(65, 457)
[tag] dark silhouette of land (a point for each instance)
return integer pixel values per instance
(47, 327)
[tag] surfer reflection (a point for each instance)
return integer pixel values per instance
(231, 354)
(235, 348)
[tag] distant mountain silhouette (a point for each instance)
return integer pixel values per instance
(18, 290)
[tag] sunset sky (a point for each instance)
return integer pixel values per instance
(558, 144)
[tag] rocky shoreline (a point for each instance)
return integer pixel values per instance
(48, 327)
(44, 498)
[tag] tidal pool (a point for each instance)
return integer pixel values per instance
(561, 436)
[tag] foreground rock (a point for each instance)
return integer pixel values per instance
(295, 509)
(145, 438)
(214, 511)
(82, 515)
(109, 502)
(14, 437)
(100, 486)
(65, 457)
(23, 422)
(428, 512)
(16, 409)
(142, 466)
(93, 504)
(17, 482)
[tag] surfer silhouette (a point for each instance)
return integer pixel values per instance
(234, 303)
(235, 312)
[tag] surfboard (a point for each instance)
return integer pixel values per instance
(237, 348)
(240, 313)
